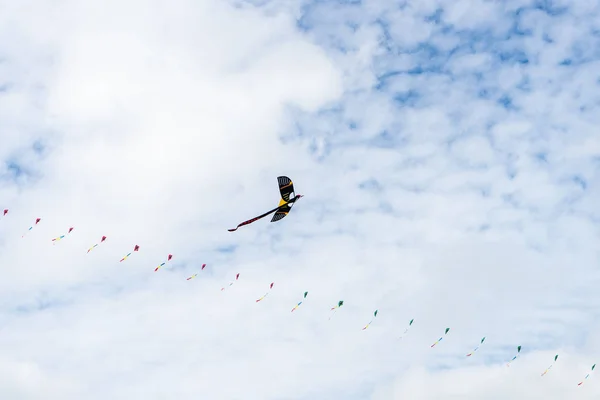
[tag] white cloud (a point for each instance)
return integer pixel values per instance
(426, 198)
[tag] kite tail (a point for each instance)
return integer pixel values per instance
(266, 294)
(587, 376)
(334, 309)
(473, 352)
(547, 369)
(477, 348)
(296, 306)
(268, 291)
(37, 221)
(253, 219)
(407, 328)
(231, 283)
(166, 261)
(439, 340)
(62, 236)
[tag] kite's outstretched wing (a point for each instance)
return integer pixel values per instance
(283, 210)
(286, 188)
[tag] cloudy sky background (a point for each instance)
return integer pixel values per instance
(448, 152)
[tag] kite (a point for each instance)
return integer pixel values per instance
(515, 357)
(232, 282)
(101, 240)
(334, 309)
(406, 330)
(168, 259)
(288, 198)
(440, 339)
(37, 220)
(136, 248)
(374, 315)
(266, 294)
(550, 367)
(476, 348)
(196, 274)
(5, 212)
(587, 376)
(62, 236)
(298, 305)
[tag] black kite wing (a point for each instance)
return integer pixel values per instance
(282, 211)
(286, 188)
(288, 198)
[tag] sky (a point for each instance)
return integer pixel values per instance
(449, 157)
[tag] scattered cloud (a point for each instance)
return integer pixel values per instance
(450, 162)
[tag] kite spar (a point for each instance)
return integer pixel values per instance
(288, 198)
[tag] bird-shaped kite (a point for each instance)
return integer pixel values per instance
(288, 198)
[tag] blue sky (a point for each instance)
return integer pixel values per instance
(449, 156)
